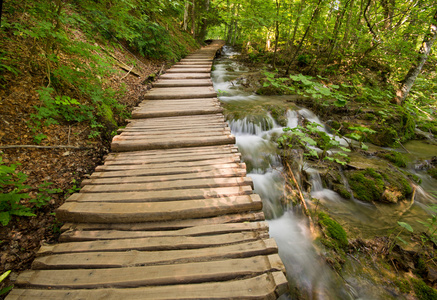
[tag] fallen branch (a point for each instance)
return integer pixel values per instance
(45, 147)
(127, 73)
(302, 199)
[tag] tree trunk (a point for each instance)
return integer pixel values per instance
(187, 8)
(278, 6)
(1, 10)
(193, 20)
(315, 13)
(416, 68)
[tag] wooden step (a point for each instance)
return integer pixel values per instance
(169, 185)
(265, 286)
(188, 273)
(104, 212)
(152, 243)
(170, 224)
(97, 260)
(93, 235)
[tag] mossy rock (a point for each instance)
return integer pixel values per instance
(333, 229)
(433, 172)
(385, 136)
(387, 185)
(367, 185)
(269, 91)
(342, 191)
(395, 157)
(279, 114)
(423, 292)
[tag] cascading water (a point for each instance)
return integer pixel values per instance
(253, 126)
(305, 270)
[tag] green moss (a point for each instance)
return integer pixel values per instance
(279, 114)
(423, 292)
(367, 185)
(398, 181)
(342, 191)
(395, 157)
(403, 285)
(385, 136)
(408, 125)
(334, 230)
(433, 172)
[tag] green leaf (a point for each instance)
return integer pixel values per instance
(402, 240)
(406, 226)
(4, 275)
(5, 217)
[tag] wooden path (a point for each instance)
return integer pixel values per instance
(171, 213)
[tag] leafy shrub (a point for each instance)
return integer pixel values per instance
(11, 184)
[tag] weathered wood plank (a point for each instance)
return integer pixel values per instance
(152, 243)
(188, 273)
(194, 134)
(172, 185)
(158, 196)
(187, 111)
(189, 70)
(188, 151)
(216, 162)
(186, 76)
(225, 170)
(121, 145)
(101, 212)
(96, 260)
(266, 287)
(164, 178)
(92, 235)
(170, 224)
(138, 159)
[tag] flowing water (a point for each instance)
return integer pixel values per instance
(309, 277)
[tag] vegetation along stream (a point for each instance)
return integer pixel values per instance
(322, 260)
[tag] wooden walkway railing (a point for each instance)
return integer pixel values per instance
(170, 215)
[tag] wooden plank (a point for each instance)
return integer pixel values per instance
(139, 128)
(148, 159)
(170, 224)
(101, 212)
(152, 243)
(158, 196)
(215, 162)
(120, 145)
(224, 169)
(97, 260)
(188, 151)
(266, 287)
(186, 76)
(175, 112)
(171, 185)
(189, 70)
(164, 178)
(180, 136)
(188, 273)
(92, 235)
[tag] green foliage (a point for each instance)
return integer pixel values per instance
(310, 137)
(358, 135)
(3, 277)
(431, 223)
(333, 229)
(12, 186)
(423, 292)
(13, 194)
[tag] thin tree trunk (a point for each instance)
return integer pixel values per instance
(296, 23)
(187, 7)
(416, 68)
(1, 10)
(315, 13)
(193, 20)
(278, 6)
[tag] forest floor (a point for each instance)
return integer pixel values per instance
(64, 168)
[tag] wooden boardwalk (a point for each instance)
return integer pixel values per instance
(171, 213)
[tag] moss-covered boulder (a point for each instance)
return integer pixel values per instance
(382, 184)
(333, 230)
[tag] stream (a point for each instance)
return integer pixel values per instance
(308, 275)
